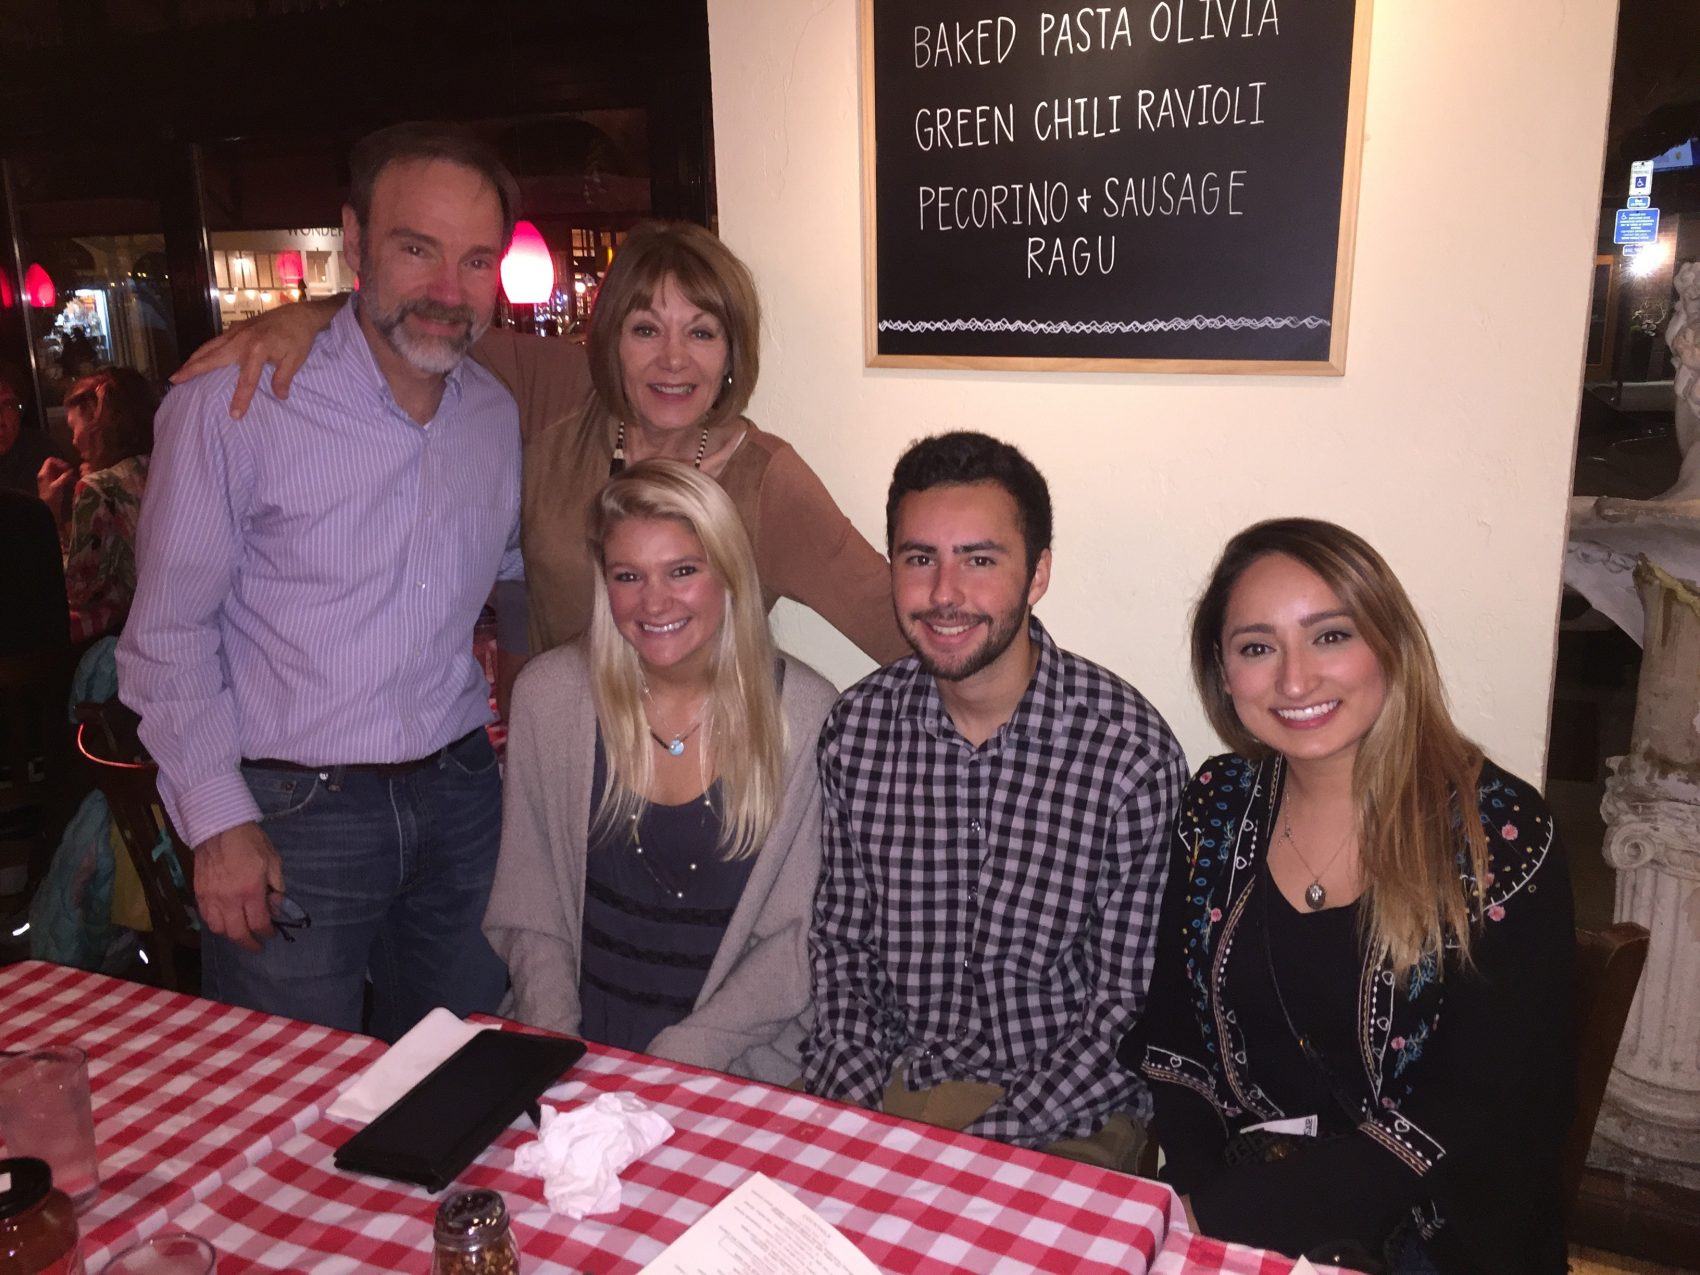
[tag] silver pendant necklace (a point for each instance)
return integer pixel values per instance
(1316, 898)
(675, 747)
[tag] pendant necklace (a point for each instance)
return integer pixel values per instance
(675, 747)
(1315, 896)
(617, 461)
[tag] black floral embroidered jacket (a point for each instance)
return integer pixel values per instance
(1462, 1078)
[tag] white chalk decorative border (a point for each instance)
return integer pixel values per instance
(1100, 327)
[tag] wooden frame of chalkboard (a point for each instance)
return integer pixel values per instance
(1159, 186)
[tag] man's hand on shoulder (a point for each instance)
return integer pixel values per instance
(234, 872)
(282, 337)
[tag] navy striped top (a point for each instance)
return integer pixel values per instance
(655, 909)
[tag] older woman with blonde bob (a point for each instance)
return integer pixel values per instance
(661, 825)
(1359, 1032)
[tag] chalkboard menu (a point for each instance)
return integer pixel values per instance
(1164, 185)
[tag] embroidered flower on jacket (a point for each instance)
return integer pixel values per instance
(1509, 832)
(1496, 913)
(1204, 776)
(1215, 914)
(1407, 1049)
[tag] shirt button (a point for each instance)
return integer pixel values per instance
(974, 825)
(421, 584)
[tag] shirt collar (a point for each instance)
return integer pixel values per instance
(1039, 713)
(348, 343)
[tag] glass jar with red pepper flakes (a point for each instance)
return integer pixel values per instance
(473, 1236)
(38, 1225)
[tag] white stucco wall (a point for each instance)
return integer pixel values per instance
(1448, 442)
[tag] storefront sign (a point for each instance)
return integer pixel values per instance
(1167, 185)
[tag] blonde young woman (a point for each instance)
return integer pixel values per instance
(1358, 1035)
(661, 832)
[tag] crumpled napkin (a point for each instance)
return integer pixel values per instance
(403, 1065)
(579, 1153)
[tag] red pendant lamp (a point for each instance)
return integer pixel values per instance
(528, 271)
(38, 287)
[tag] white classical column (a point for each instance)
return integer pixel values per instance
(1650, 1123)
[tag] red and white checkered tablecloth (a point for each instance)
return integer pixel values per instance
(911, 1197)
(186, 1092)
(1186, 1252)
(211, 1119)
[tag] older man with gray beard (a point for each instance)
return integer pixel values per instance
(300, 644)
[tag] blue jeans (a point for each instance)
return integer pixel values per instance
(1413, 1259)
(394, 873)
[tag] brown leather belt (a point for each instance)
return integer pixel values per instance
(382, 769)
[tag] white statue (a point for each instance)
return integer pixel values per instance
(1637, 561)
(1609, 534)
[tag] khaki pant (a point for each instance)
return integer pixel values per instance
(956, 1104)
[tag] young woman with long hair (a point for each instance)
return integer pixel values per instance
(1359, 1031)
(661, 837)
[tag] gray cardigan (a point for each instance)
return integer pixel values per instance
(754, 1008)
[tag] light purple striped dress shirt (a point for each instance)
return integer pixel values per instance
(309, 577)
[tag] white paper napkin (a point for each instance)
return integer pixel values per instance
(403, 1065)
(579, 1153)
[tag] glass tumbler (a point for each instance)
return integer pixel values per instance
(178, 1253)
(45, 1112)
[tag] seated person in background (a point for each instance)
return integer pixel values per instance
(23, 450)
(662, 834)
(32, 580)
(97, 505)
(1367, 938)
(996, 812)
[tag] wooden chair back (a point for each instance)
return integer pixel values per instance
(128, 777)
(1608, 969)
(37, 784)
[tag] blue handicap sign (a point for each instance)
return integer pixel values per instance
(1636, 225)
(1638, 201)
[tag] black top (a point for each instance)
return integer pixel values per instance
(1467, 1076)
(32, 577)
(655, 909)
(1314, 955)
(20, 463)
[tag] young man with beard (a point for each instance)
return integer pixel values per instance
(300, 648)
(995, 816)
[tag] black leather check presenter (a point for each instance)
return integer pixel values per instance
(434, 1130)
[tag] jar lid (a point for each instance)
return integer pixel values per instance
(24, 1183)
(478, 1215)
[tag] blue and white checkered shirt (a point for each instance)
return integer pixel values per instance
(989, 913)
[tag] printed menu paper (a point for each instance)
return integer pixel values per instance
(761, 1229)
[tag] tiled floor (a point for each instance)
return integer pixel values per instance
(1590, 1261)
